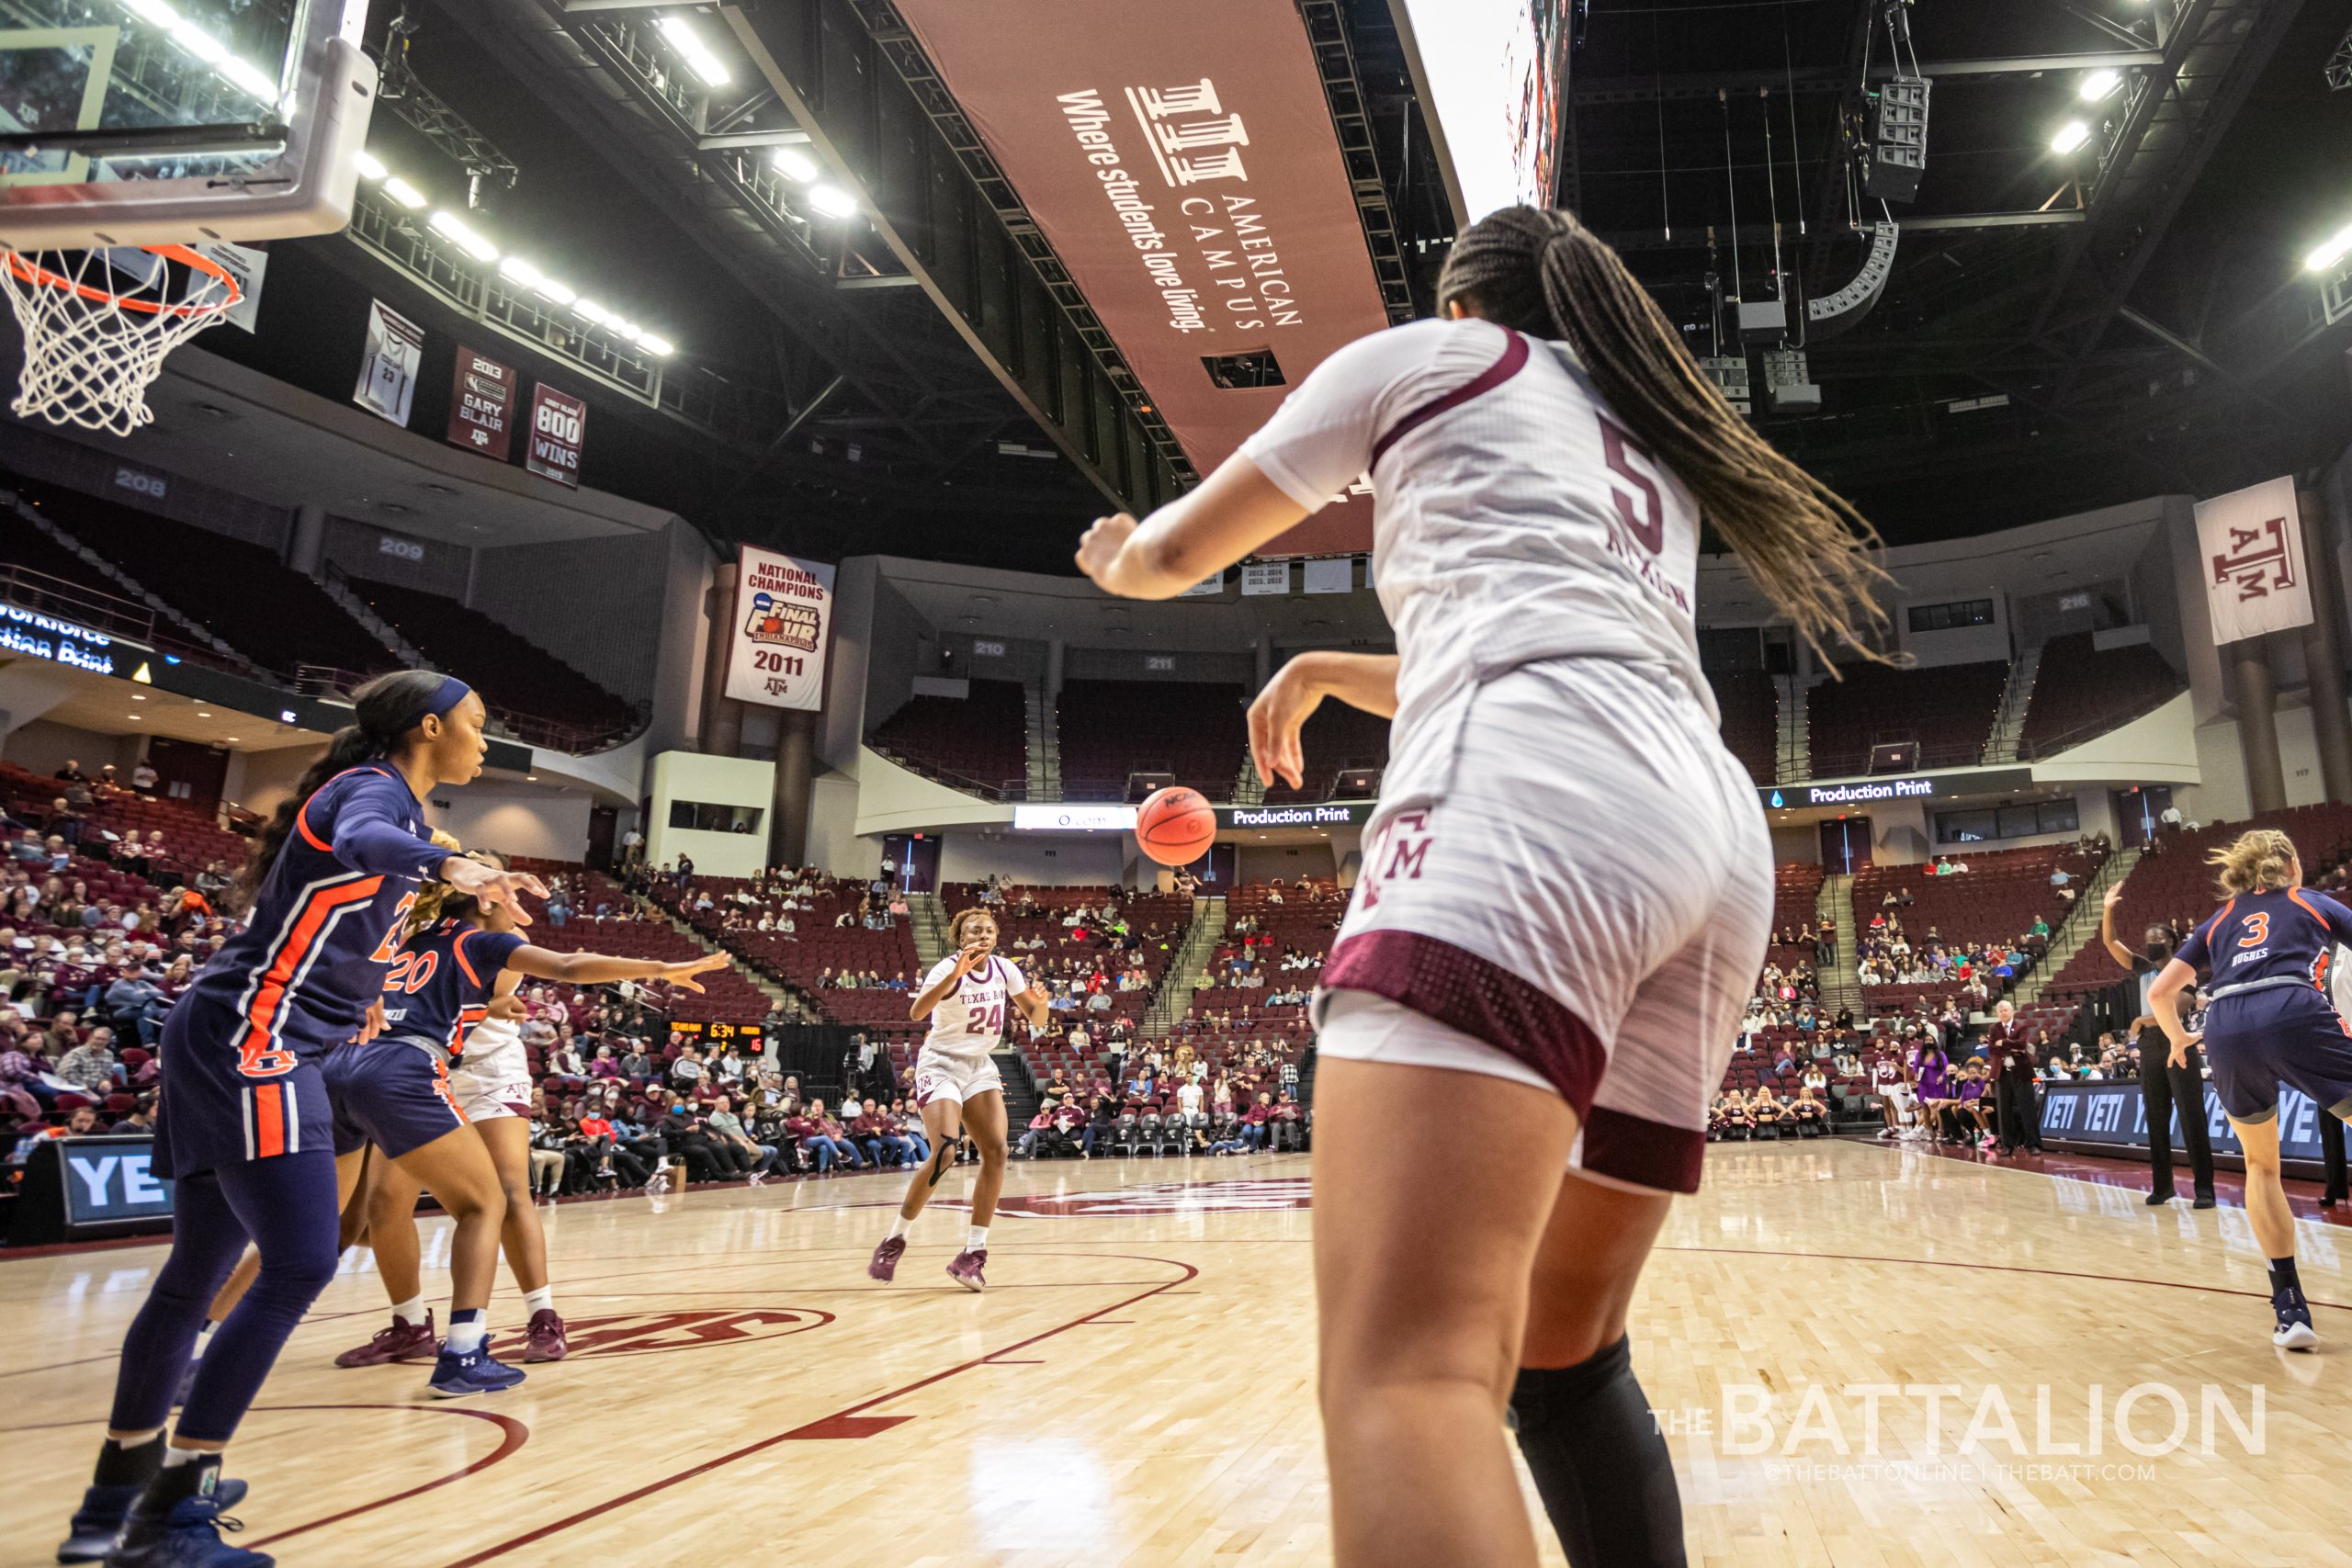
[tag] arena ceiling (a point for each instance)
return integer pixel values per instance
(2058, 330)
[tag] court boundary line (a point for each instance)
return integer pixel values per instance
(595, 1510)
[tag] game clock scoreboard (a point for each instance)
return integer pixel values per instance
(755, 1036)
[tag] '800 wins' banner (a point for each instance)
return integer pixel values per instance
(783, 615)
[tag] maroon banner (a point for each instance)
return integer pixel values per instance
(559, 426)
(1187, 174)
(481, 405)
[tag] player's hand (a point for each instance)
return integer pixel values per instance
(1097, 552)
(372, 1023)
(1275, 719)
(2180, 1055)
(974, 954)
(488, 885)
(683, 974)
(2113, 897)
(513, 1010)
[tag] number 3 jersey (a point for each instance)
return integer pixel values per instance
(2281, 937)
(1515, 517)
(437, 991)
(969, 1021)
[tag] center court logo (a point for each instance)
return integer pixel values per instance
(1855, 1431)
(642, 1333)
(1173, 1198)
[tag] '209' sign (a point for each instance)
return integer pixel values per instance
(559, 431)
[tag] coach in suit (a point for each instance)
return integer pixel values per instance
(2012, 1057)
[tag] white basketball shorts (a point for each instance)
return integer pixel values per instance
(1569, 869)
(494, 1078)
(958, 1079)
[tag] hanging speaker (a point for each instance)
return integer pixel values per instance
(1898, 139)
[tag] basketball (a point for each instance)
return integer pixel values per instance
(1175, 826)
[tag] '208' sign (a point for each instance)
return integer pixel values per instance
(558, 430)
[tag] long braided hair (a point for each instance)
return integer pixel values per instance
(1544, 273)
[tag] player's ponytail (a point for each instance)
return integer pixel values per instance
(1544, 273)
(384, 712)
(2259, 862)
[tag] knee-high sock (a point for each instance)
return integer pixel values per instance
(1599, 1463)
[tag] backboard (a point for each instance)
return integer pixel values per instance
(139, 122)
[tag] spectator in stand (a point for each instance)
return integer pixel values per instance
(2013, 1066)
(91, 1065)
(820, 1139)
(143, 778)
(1041, 1129)
(727, 1128)
(138, 1121)
(688, 1071)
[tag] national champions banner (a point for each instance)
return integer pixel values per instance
(388, 370)
(2250, 553)
(784, 616)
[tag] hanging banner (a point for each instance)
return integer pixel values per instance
(1331, 576)
(558, 428)
(783, 610)
(388, 370)
(1260, 578)
(1206, 587)
(249, 267)
(2250, 551)
(1182, 164)
(481, 405)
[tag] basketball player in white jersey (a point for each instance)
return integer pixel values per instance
(1567, 885)
(967, 998)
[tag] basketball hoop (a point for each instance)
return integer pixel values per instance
(91, 351)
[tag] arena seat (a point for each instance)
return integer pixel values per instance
(1750, 705)
(1949, 709)
(2081, 690)
(1336, 738)
(514, 675)
(240, 591)
(1110, 729)
(979, 740)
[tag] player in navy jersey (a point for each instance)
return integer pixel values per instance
(2268, 1020)
(456, 957)
(245, 1123)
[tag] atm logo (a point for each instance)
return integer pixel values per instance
(642, 1333)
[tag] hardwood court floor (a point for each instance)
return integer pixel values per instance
(1136, 1387)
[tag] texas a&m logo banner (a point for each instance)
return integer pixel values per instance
(2250, 552)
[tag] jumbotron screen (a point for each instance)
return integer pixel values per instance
(1496, 73)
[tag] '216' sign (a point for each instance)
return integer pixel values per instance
(558, 428)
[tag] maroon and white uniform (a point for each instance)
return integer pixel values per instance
(966, 1026)
(1568, 881)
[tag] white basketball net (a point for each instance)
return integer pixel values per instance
(95, 336)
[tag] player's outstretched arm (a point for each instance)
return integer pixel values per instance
(1231, 514)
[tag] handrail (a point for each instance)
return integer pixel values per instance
(1009, 789)
(2113, 720)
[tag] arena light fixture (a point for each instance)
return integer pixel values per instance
(370, 166)
(660, 347)
(450, 227)
(593, 311)
(407, 195)
(2334, 249)
(832, 200)
(547, 289)
(694, 52)
(2099, 84)
(2070, 135)
(797, 164)
(514, 269)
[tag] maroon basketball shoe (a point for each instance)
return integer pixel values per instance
(966, 1269)
(543, 1340)
(884, 1266)
(401, 1342)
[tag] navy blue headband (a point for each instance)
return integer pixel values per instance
(444, 696)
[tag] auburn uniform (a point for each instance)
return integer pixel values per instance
(2270, 1017)
(395, 1091)
(242, 1050)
